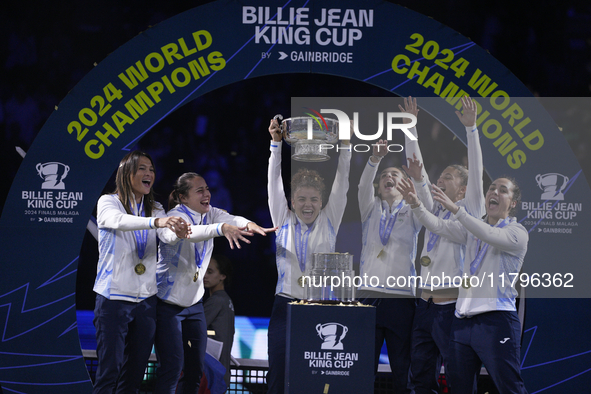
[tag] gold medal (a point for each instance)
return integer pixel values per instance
(196, 276)
(140, 269)
(425, 261)
(381, 253)
(301, 281)
(466, 283)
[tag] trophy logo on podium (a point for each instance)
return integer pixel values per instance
(332, 334)
(552, 185)
(53, 174)
(307, 134)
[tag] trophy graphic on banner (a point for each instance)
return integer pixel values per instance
(552, 184)
(53, 175)
(307, 135)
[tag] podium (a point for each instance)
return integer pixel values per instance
(330, 349)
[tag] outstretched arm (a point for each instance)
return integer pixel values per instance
(474, 199)
(235, 228)
(110, 215)
(512, 238)
(413, 151)
(440, 196)
(277, 201)
(256, 229)
(337, 201)
(415, 168)
(365, 193)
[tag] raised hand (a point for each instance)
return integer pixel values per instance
(415, 168)
(468, 117)
(440, 196)
(275, 130)
(410, 106)
(380, 149)
(407, 189)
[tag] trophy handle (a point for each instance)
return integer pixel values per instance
(538, 177)
(279, 119)
(565, 183)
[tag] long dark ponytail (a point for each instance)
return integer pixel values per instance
(180, 188)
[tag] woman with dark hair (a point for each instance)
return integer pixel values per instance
(181, 334)
(219, 309)
(486, 328)
(125, 311)
(307, 228)
(389, 242)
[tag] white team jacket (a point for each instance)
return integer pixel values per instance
(116, 278)
(491, 290)
(323, 236)
(177, 267)
(447, 258)
(394, 270)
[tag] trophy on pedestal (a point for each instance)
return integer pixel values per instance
(307, 136)
(322, 288)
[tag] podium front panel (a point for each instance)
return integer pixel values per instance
(330, 349)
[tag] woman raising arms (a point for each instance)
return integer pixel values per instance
(486, 328)
(308, 227)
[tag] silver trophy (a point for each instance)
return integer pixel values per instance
(331, 279)
(307, 136)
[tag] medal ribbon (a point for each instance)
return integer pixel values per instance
(474, 265)
(302, 245)
(141, 236)
(198, 258)
(433, 238)
(387, 226)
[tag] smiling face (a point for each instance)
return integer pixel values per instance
(143, 179)
(451, 183)
(388, 180)
(197, 197)
(307, 203)
(499, 200)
